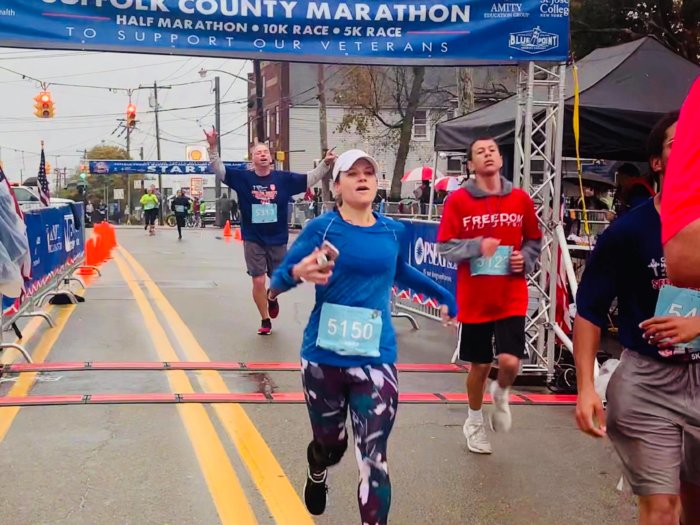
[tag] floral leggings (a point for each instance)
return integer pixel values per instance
(371, 393)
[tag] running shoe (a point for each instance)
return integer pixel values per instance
(265, 327)
(273, 307)
(477, 441)
(501, 420)
(315, 491)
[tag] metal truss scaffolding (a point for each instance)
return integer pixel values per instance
(538, 160)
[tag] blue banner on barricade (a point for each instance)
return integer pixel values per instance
(157, 167)
(424, 256)
(442, 32)
(56, 241)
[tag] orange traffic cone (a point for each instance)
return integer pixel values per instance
(90, 256)
(227, 229)
(237, 234)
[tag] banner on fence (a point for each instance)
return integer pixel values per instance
(56, 236)
(442, 32)
(424, 256)
(156, 167)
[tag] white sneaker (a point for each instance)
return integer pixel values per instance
(501, 420)
(477, 441)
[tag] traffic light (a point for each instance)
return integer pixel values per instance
(43, 107)
(130, 116)
(83, 171)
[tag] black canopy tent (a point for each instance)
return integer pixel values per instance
(624, 90)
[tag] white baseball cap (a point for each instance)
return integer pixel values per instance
(346, 160)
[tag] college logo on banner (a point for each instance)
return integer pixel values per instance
(426, 32)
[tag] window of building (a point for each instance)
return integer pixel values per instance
(450, 114)
(421, 126)
(277, 120)
(268, 122)
(251, 128)
(454, 165)
(263, 86)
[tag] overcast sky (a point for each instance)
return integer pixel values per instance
(85, 117)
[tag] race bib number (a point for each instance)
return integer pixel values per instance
(264, 213)
(498, 264)
(179, 208)
(680, 302)
(349, 330)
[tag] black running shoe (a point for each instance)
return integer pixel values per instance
(315, 490)
(273, 306)
(265, 327)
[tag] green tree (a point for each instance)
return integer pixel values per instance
(380, 105)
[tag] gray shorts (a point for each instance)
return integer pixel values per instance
(263, 260)
(654, 422)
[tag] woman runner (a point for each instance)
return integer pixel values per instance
(349, 347)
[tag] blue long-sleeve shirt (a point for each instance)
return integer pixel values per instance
(371, 259)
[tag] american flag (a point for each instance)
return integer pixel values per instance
(43, 182)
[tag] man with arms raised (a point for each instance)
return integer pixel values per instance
(263, 196)
(653, 396)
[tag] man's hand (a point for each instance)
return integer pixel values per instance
(517, 262)
(667, 331)
(309, 270)
(212, 138)
(489, 246)
(330, 157)
(590, 415)
(445, 316)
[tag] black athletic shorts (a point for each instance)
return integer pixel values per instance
(476, 343)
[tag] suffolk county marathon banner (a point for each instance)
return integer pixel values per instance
(423, 255)
(156, 167)
(56, 241)
(442, 32)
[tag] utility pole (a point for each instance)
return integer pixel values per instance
(260, 121)
(128, 175)
(160, 176)
(217, 125)
(323, 126)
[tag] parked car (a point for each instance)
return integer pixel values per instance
(28, 199)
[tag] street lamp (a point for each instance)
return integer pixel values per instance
(203, 73)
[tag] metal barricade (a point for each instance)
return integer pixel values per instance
(55, 281)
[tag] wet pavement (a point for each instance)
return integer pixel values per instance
(164, 300)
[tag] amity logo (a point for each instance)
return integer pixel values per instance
(506, 10)
(534, 41)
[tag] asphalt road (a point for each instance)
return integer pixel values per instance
(176, 464)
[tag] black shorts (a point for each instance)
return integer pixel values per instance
(263, 260)
(476, 343)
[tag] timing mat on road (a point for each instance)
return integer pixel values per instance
(221, 366)
(415, 398)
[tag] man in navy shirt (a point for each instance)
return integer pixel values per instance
(653, 396)
(263, 197)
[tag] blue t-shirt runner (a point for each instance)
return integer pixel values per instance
(263, 197)
(348, 360)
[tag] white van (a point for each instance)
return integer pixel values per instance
(28, 199)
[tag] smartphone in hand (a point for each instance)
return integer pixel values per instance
(327, 254)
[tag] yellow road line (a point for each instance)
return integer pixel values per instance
(284, 503)
(26, 381)
(224, 485)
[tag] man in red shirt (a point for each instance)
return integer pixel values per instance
(490, 230)
(680, 206)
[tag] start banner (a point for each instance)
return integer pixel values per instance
(183, 167)
(427, 32)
